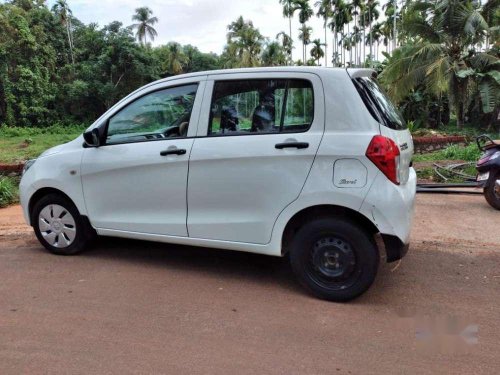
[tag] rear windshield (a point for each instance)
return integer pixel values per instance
(379, 104)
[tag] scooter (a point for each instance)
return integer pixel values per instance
(488, 168)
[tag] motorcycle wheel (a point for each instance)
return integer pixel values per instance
(492, 191)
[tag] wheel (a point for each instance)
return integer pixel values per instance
(59, 226)
(492, 191)
(334, 259)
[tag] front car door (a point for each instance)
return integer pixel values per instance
(257, 139)
(137, 180)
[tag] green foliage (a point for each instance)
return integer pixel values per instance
(441, 56)
(8, 191)
(18, 144)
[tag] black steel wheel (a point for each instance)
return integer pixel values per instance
(334, 259)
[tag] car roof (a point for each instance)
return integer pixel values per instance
(353, 72)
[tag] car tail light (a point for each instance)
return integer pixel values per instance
(384, 153)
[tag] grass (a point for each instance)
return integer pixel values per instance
(8, 191)
(453, 152)
(20, 144)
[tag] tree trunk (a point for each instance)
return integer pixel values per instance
(371, 34)
(326, 46)
(291, 40)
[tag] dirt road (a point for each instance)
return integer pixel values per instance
(137, 307)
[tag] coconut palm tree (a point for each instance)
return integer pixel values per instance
(62, 9)
(442, 56)
(316, 51)
(144, 24)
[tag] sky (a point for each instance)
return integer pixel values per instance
(202, 23)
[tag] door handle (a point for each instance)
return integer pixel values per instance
(298, 145)
(174, 151)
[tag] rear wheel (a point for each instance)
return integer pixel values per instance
(492, 191)
(335, 259)
(59, 226)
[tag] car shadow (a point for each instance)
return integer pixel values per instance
(226, 264)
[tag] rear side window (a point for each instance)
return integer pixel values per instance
(261, 106)
(379, 104)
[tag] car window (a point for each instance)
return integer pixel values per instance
(261, 106)
(158, 115)
(299, 110)
(379, 104)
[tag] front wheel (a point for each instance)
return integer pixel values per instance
(59, 226)
(492, 191)
(334, 259)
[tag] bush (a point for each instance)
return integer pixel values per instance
(8, 191)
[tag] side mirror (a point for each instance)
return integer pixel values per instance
(92, 138)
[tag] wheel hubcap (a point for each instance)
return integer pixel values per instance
(57, 226)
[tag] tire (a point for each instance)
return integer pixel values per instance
(334, 259)
(492, 197)
(59, 226)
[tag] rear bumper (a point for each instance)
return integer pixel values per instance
(395, 249)
(391, 207)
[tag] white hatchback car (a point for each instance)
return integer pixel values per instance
(310, 162)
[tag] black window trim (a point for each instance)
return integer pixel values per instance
(373, 107)
(280, 131)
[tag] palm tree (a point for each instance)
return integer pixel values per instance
(289, 8)
(145, 24)
(274, 55)
(442, 57)
(175, 59)
(316, 51)
(326, 12)
(391, 16)
(305, 36)
(305, 13)
(341, 18)
(61, 8)
(373, 14)
(286, 44)
(244, 44)
(357, 6)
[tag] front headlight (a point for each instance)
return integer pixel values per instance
(495, 155)
(28, 165)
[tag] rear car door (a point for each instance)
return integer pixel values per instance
(137, 180)
(257, 139)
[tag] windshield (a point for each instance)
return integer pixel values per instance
(379, 104)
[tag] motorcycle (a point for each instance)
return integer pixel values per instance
(488, 168)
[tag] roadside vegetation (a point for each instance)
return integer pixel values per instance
(18, 144)
(8, 191)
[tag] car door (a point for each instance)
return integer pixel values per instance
(257, 139)
(137, 180)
